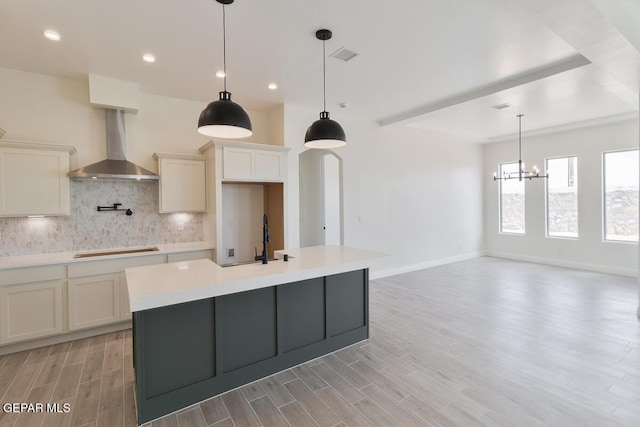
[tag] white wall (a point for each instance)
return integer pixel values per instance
(35, 107)
(242, 210)
(589, 251)
(46, 109)
(406, 194)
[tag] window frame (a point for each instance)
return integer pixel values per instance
(603, 194)
(500, 230)
(546, 198)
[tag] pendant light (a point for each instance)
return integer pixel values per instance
(324, 133)
(522, 173)
(224, 118)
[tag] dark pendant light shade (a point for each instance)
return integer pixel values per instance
(224, 118)
(324, 133)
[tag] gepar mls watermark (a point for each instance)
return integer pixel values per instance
(22, 407)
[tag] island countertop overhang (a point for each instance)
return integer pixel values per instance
(174, 283)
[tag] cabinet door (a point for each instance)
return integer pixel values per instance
(125, 310)
(30, 311)
(267, 165)
(94, 300)
(34, 182)
(238, 163)
(182, 185)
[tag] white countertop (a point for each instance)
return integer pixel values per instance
(68, 257)
(167, 284)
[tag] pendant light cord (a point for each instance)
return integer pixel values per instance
(224, 46)
(324, 77)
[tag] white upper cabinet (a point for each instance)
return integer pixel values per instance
(247, 164)
(267, 165)
(237, 163)
(182, 182)
(33, 179)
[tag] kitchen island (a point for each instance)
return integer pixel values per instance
(200, 329)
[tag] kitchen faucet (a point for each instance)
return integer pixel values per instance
(265, 240)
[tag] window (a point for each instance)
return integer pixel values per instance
(511, 201)
(562, 197)
(621, 195)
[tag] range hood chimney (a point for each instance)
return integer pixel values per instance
(116, 165)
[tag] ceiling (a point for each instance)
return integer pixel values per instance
(428, 64)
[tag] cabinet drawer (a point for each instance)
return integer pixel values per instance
(15, 276)
(90, 268)
(188, 256)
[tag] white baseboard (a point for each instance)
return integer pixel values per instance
(57, 339)
(598, 268)
(422, 265)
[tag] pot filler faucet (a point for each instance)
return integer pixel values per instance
(265, 240)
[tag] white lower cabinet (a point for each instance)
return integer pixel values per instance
(30, 310)
(41, 301)
(94, 300)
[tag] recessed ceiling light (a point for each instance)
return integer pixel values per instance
(52, 35)
(272, 86)
(148, 57)
(220, 74)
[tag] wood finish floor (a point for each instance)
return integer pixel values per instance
(485, 342)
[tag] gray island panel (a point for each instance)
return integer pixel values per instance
(189, 352)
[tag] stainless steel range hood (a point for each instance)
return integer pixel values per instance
(116, 165)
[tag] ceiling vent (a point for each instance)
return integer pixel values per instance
(344, 54)
(502, 106)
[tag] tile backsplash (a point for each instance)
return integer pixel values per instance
(88, 229)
